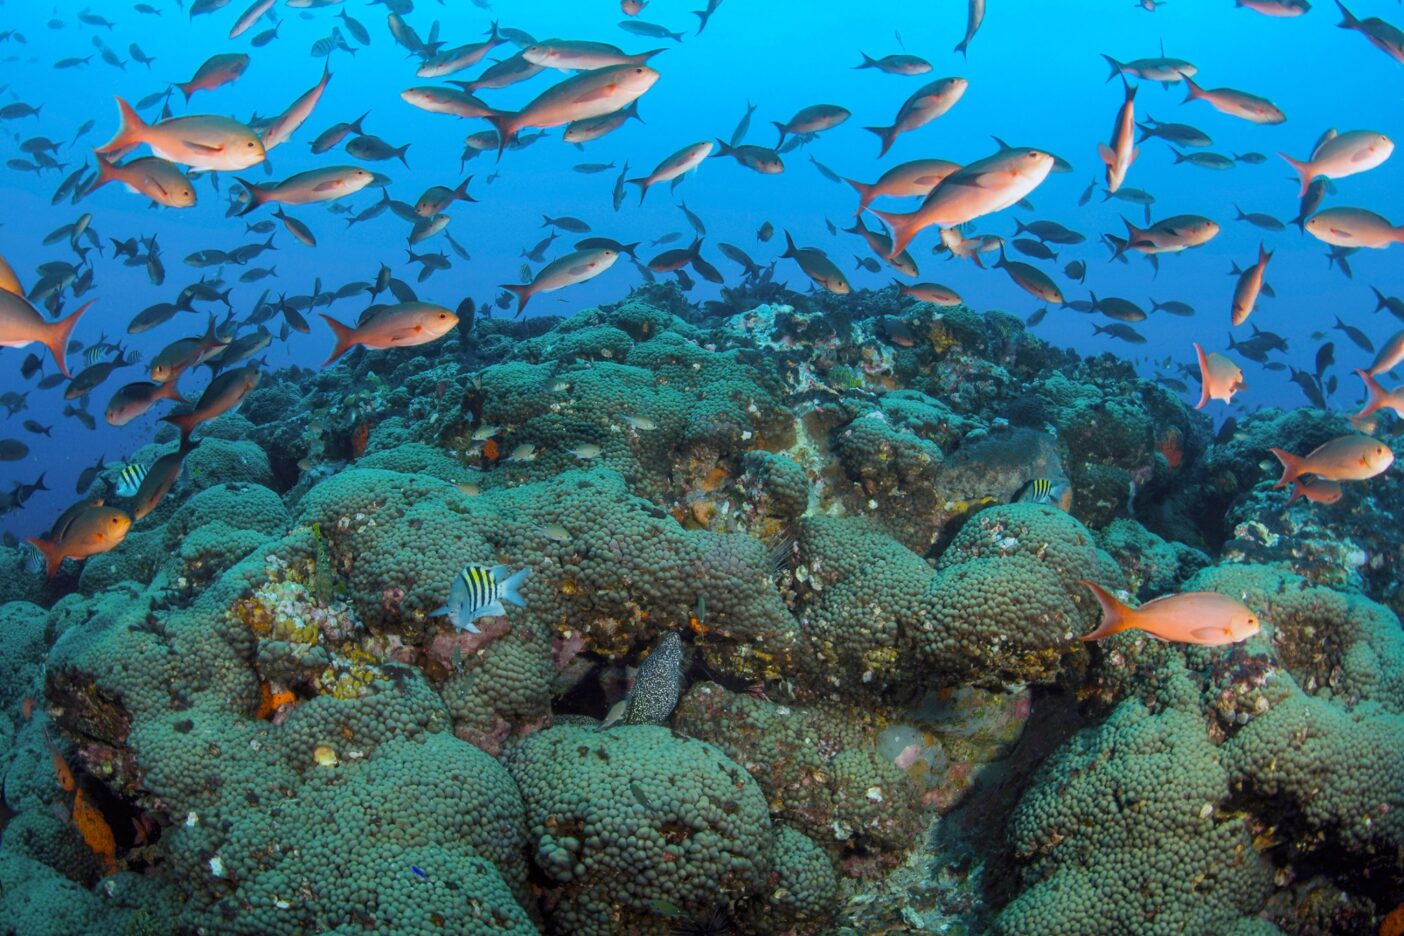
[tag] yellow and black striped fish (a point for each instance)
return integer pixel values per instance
(478, 591)
(129, 480)
(1043, 491)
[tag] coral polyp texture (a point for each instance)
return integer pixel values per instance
(858, 569)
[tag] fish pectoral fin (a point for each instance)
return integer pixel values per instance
(154, 183)
(989, 180)
(440, 611)
(1210, 633)
(1106, 152)
(203, 147)
(327, 186)
(597, 94)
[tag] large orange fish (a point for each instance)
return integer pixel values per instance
(1348, 458)
(1219, 376)
(984, 186)
(588, 94)
(396, 326)
(201, 142)
(1205, 618)
(1122, 150)
(917, 177)
(1250, 284)
(21, 324)
(93, 530)
(223, 394)
(575, 267)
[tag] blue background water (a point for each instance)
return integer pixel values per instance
(1036, 78)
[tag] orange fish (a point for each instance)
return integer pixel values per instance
(1348, 458)
(1250, 283)
(1379, 398)
(359, 437)
(395, 326)
(66, 781)
(269, 701)
(1205, 618)
(27, 708)
(21, 324)
(1122, 151)
(1221, 378)
(92, 531)
(223, 394)
(1171, 445)
(980, 188)
(1316, 490)
(96, 832)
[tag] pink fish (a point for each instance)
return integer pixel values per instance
(1205, 618)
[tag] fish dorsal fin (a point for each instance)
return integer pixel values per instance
(1325, 138)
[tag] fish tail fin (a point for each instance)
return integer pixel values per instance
(1204, 374)
(1115, 66)
(961, 47)
(1133, 234)
(170, 391)
(345, 338)
(1302, 169)
(789, 246)
(523, 293)
(185, 89)
(104, 176)
(504, 122)
(1116, 616)
(50, 551)
(1348, 20)
(56, 335)
(780, 127)
(129, 132)
(1179, 156)
(1118, 244)
(886, 135)
(461, 193)
(1192, 90)
(868, 61)
(1291, 466)
(643, 187)
(723, 149)
(1298, 490)
(903, 225)
(258, 195)
(400, 153)
(1264, 255)
(511, 587)
(1381, 301)
(865, 193)
(1375, 398)
(185, 422)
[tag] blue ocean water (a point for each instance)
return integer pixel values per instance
(1037, 78)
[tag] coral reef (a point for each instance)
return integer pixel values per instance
(815, 517)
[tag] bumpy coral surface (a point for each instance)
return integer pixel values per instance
(252, 718)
